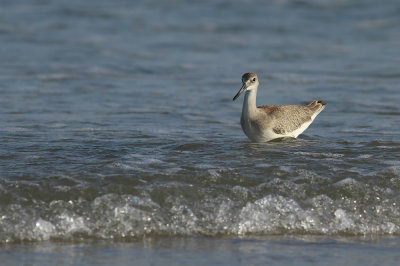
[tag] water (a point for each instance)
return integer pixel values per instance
(117, 126)
(305, 250)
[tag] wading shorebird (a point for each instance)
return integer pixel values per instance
(265, 123)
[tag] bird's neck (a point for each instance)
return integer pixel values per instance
(249, 103)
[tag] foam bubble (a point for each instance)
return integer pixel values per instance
(343, 221)
(42, 230)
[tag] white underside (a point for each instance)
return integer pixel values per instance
(270, 134)
(297, 132)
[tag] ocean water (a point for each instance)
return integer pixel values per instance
(119, 137)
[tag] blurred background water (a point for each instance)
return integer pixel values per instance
(117, 123)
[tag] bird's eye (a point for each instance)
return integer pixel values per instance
(254, 79)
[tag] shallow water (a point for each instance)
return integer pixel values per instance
(272, 250)
(117, 120)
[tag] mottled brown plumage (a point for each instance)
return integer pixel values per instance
(287, 118)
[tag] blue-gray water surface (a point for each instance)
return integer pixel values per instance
(117, 121)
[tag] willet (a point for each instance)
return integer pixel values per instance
(265, 123)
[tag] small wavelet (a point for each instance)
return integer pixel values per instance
(238, 212)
